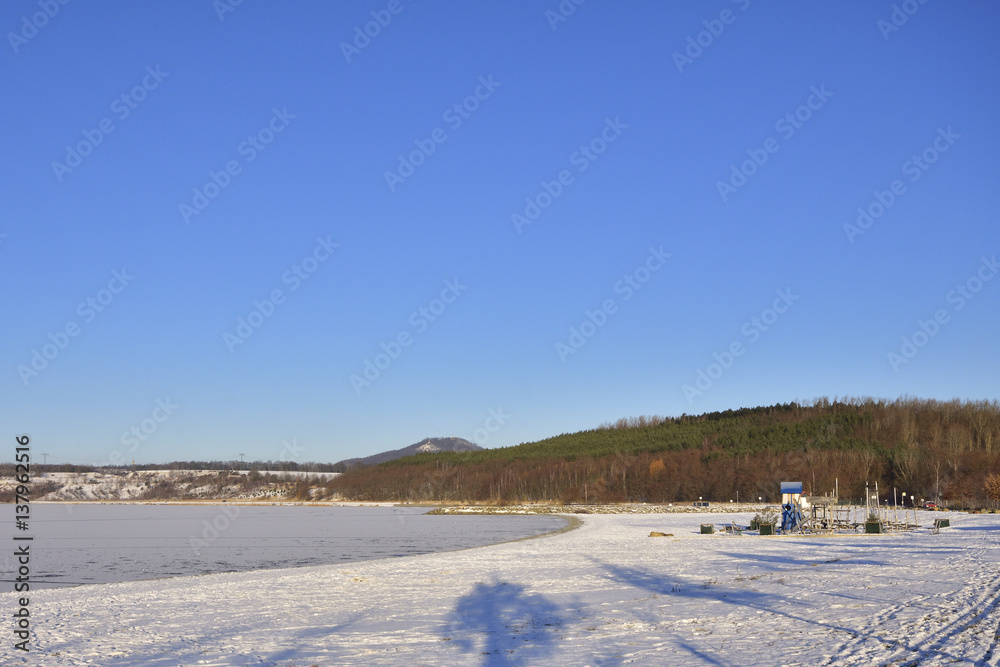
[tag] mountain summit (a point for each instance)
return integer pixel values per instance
(427, 445)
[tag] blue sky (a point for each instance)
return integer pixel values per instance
(213, 157)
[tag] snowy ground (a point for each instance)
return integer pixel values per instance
(604, 594)
(125, 485)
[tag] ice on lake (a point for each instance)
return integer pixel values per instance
(78, 544)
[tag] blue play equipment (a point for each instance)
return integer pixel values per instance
(791, 510)
(791, 517)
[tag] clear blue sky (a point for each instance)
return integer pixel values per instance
(309, 128)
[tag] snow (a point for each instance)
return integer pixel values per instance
(603, 594)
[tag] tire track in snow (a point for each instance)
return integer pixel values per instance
(974, 607)
(912, 642)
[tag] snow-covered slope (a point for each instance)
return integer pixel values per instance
(166, 484)
(604, 594)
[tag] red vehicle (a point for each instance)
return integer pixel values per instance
(930, 505)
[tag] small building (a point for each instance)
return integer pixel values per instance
(790, 492)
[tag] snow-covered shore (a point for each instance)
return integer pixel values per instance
(159, 485)
(603, 594)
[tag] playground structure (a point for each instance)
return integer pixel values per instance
(888, 518)
(825, 515)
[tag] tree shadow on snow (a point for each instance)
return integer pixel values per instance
(778, 605)
(496, 620)
(775, 560)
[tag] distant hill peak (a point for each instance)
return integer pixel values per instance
(425, 446)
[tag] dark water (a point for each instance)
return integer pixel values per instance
(91, 544)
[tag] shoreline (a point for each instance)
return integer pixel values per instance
(481, 508)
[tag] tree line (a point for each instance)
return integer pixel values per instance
(944, 451)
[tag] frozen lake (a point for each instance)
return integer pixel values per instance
(93, 544)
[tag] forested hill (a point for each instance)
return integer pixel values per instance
(930, 449)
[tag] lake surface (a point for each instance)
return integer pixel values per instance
(95, 544)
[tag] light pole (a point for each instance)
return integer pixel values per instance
(241, 460)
